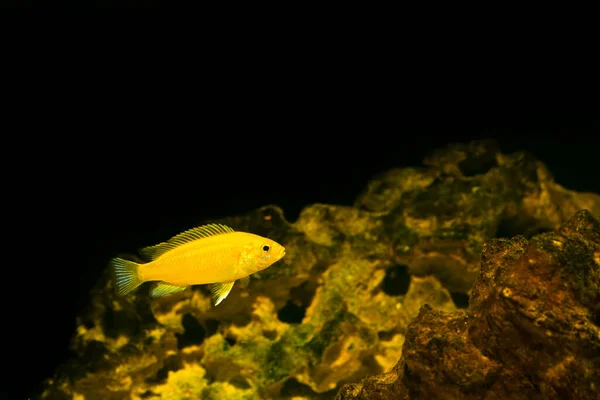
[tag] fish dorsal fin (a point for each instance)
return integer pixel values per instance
(153, 252)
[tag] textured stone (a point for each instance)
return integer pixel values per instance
(338, 306)
(532, 330)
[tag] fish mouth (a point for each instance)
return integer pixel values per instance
(281, 253)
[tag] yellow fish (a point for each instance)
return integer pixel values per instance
(209, 254)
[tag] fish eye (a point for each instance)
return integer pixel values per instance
(266, 248)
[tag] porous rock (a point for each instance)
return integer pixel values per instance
(532, 329)
(337, 307)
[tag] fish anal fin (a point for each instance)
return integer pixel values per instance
(220, 291)
(245, 281)
(153, 252)
(165, 289)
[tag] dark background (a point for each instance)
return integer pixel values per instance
(97, 194)
(112, 141)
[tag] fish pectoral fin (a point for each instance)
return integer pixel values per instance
(245, 281)
(164, 289)
(220, 291)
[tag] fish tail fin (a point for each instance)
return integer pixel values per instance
(127, 275)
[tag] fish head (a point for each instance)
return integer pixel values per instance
(261, 253)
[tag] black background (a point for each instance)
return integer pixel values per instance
(113, 140)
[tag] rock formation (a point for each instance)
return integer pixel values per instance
(365, 286)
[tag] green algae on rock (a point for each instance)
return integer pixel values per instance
(356, 276)
(532, 330)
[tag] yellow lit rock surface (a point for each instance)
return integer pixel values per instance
(337, 307)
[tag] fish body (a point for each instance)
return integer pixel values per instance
(210, 254)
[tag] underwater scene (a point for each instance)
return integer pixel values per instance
(473, 276)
